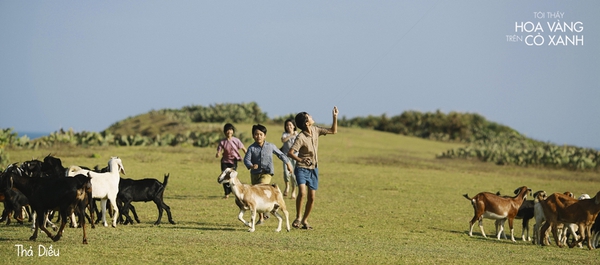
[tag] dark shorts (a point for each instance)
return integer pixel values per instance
(309, 177)
(228, 165)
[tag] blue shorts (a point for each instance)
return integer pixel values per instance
(309, 177)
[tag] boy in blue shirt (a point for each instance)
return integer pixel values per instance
(259, 158)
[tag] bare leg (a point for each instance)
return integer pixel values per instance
(310, 200)
(302, 192)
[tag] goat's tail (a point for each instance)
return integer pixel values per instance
(466, 195)
(166, 180)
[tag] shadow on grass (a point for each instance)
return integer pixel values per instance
(186, 225)
(478, 236)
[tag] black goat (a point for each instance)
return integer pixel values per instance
(14, 201)
(143, 190)
(68, 195)
(12, 198)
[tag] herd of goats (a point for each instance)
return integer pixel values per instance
(567, 216)
(39, 188)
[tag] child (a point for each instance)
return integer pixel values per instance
(307, 171)
(230, 147)
(259, 158)
(287, 138)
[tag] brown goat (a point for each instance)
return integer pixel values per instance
(559, 208)
(492, 206)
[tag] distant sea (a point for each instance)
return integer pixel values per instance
(33, 135)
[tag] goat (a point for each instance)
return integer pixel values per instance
(492, 206)
(66, 194)
(539, 218)
(14, 177)
(106, 185)
(596, 233)
(564, 228)
(525, 213)
(15, 201)
(261, 198)
(44, 194)
(143, 190)
(559, 208)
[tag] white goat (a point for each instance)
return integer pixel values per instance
(538, 213)
(105, 186)
(259, 198)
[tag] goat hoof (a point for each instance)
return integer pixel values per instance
(33, 238)
(172, 222)
(85, 241)
(56, 238)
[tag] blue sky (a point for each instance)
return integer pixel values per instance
(87, 64)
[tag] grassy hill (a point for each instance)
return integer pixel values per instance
(383, 199)
(158, 122)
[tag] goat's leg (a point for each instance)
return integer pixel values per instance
(160, 210)
(73, 221)
(63, 223)
(37, 221)
(81, 212)
(500, 228)
(43, 227)
(555, 234)
(512, 229)
(125, 212)
(241, 217)
(132, 208)
(287, 218)
(168, 210)
(103, 207)
(29, 213)
(471, 224)
(279, 218)
(113, 203)
(543, 230)
(524, 234)
(48, 222)
(96, 210)
(587, 233)
(536, 234)
(579, 239)
(481, 226)
(135, 216)
(252, 220)
(90, 205)
(595, 238)
(4, 213)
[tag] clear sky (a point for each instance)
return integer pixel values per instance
(531, 65)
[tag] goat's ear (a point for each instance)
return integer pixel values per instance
(233, 174)
(122, 169)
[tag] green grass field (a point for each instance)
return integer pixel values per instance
(382, 199)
